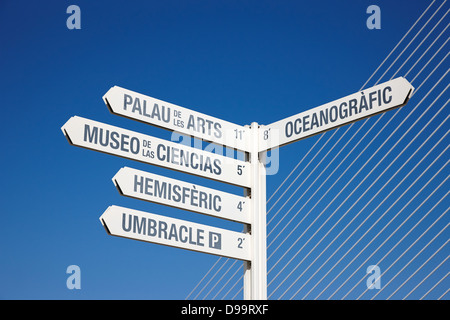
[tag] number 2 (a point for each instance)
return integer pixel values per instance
(240, 240)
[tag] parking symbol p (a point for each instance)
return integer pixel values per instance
(215, 240)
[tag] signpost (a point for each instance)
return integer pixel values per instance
(250, 210)
(149, 227)
(380, 98)
(136, 146)
(175, 193)
(166, 115)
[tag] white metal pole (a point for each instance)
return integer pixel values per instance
(255, 272)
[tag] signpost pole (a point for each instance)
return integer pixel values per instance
(251, 174)
(255, 271)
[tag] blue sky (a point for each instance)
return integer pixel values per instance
(241, 61)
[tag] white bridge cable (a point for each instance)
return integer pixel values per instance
(424, 279)
(360, 251)
(435, 100)
(304, 180)
(349, 237)
(426, 23)
(437, 283)
(349, 127)
(231, 277)
(425, 38)
(304, 168)
(411, 245)
(220, 268)
(203, 278)
(311, 184)
(444, 294)
(349, 166)
(435, 69)
(321, 136)
(401, 40)
(398, 242)
(335, 131)
(218, 281)
(349, 223)
(316, 145)
(411, 260)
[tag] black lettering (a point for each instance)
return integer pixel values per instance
(162, 229)
(200, 237)
(305, 123)
(333, 118)
(288, 129)
(91, 136)
(139, 184)
(139, 227)
(387, 99)
(323, 117)
(124, 142)
(124, 228)
(176, 191)
(343, 111)
(173, 232)
(127, 100)
(137, 106)
(216, 203)
(148, 186)
(217, 167)
(114, 140)
(297, 126)
(352, 106)
(218, 130)
(160, 152)
(372, 98)
(314, 121)
(363, 103)
(151, 230)
(104, 142)
(185, 238)
(160, 189)
(134, 145)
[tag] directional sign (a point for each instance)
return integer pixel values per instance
(166, 115)
(136, 146)
(383, 97)
(138, 225)
(155, 188)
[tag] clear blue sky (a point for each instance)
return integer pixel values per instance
(241, 61)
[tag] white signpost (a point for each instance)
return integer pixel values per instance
(249, 246)
(155, 188)
(380, 98)
(136, 146)
(149, 227)
(166, 115)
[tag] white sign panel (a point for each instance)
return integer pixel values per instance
(149, 227)
(175, 193)
(166, 115)
(380, 98)
(136, 146)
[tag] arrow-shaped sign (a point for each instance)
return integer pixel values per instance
(136, 146)
(166, 115)
(149, 227)
(175, 193)
(380, 98)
